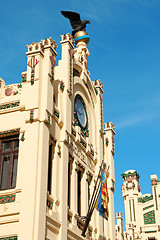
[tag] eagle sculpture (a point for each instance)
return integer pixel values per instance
(75, 21)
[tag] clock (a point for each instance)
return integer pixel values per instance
(81, 113)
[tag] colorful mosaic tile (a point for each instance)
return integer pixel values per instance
(9, 105)
(154, 181)
(49, 204)
(7, 199)
(92, 152)
(83, 143)
(62, 85)
(145, 199)
(56, 113)
(107, 141)
(130, 174)
(73, 132)
(48, 121)
(96, 91)
(148, 207)
(24, 77)
(149, 218)
(22, 137)
(31, 115)
(52, 59)
(80, 225)
(71, 71)
(9, 238)
(69, 218)
(8, 132)
(90, 232)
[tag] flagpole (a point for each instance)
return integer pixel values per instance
(93, 199)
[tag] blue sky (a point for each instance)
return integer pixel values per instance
(125, 55)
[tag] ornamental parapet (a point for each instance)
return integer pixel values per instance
(145, 199)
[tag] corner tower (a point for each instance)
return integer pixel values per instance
(131, 192)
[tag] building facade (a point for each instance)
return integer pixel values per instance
(142, 211)
(52, 143)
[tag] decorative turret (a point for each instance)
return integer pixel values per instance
(130, 181)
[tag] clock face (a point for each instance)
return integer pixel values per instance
(81, 113)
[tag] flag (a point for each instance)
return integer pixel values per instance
(102, 200)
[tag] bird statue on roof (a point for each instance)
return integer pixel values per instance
(75, 21)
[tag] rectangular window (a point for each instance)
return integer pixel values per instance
(89, 194)
(9, 147)
(50, 167)
(79, 176)
(130, 210)
(134, 214)
(69, 184)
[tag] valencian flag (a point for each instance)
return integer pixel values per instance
(102, 200)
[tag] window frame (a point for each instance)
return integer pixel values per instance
(12, 152)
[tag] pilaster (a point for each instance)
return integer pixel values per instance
(74, 192)
(109, 159)
(38, 117)
(63, 191)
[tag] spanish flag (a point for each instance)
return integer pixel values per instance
(102, 200)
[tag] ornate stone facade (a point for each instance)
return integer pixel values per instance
(60, 147)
